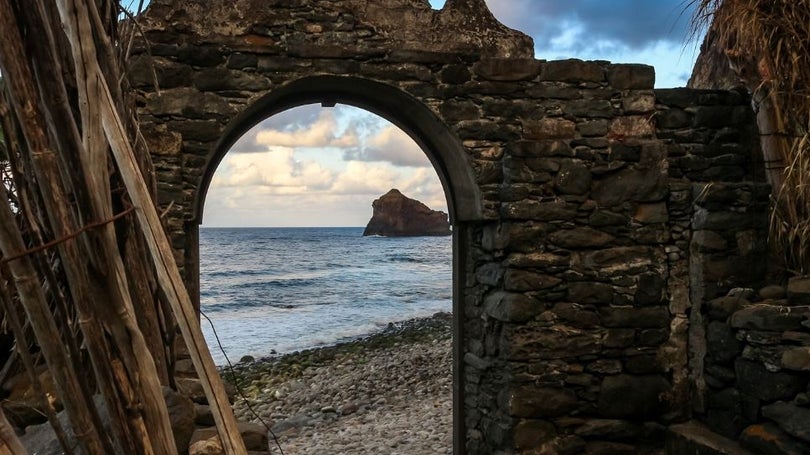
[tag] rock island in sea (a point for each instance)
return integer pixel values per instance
(396, 215)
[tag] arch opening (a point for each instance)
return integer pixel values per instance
(442, 147)
(435, 141)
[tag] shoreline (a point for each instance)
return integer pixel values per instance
(388, 392)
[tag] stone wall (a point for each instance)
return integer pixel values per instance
(757, 368)
(574, 190)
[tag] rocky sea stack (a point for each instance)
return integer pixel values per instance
(396, 215)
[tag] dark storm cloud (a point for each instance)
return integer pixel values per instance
(630, 23)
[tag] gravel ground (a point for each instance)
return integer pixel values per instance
(390, 393)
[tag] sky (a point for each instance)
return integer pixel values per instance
(313, 166)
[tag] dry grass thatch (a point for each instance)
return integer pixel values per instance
(767, 43)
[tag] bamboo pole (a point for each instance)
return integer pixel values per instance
(9, 443)
(36, 307)
(31, 294)
(167, 273)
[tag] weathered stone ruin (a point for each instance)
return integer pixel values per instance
(599, 224)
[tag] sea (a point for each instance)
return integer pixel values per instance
(271, 291)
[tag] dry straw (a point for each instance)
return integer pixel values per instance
(767, 43)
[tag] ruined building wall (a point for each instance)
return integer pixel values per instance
(578, 236)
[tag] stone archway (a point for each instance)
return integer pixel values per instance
(442, 147)
(574, 186)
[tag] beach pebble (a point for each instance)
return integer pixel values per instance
(393, 391)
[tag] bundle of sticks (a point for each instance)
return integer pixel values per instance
(88, 284)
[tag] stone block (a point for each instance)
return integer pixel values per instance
(453, 110)
(770, 317)
(640, 103)
(144, 71)
(489, 274)
(633, 397)
(612, 429)
(200, 55)
(769, 439)
(589, 108)
(507, 69)
(189, 103)
(793, 419)
(559, 341)
(573, 178)
(533, 434)
(590, 293)
(772, 292)
(511, 307)
(525, 280)
(541, 149)
(721, 308)
(529, 170)
(634, 317)
(575, 315)
(623, 261)
(652, 213)
(646, 184)
(572, 70)
(673, 118)
(619, 338)
(455, 74)
(161, 141)
(722, 344)
(755, 380)
(600, 218)
(643, 364)
(604, 366)
(720, 373)
(650, 289)
(542, 260)
(590, 128)
(538, 402)
(539, 211)
(796, 359)
(549, 128)
(581, 237)
(610, 448)
(693, 438)
(631, 126)
(653, 337)
(631, 76)
(197, 130)
(798, 290)
(239, 61)
(708, 241)
(217, 79)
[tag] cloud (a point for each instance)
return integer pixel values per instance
(306, 126)
(274, 172)
(323, 132)
(391, 145)
(633, 24)
(364, 178)
(291, 172)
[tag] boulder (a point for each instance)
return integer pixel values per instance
(396, 215)
(253, 434)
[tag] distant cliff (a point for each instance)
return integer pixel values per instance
(396, 215)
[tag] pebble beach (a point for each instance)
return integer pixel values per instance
(388, 393)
